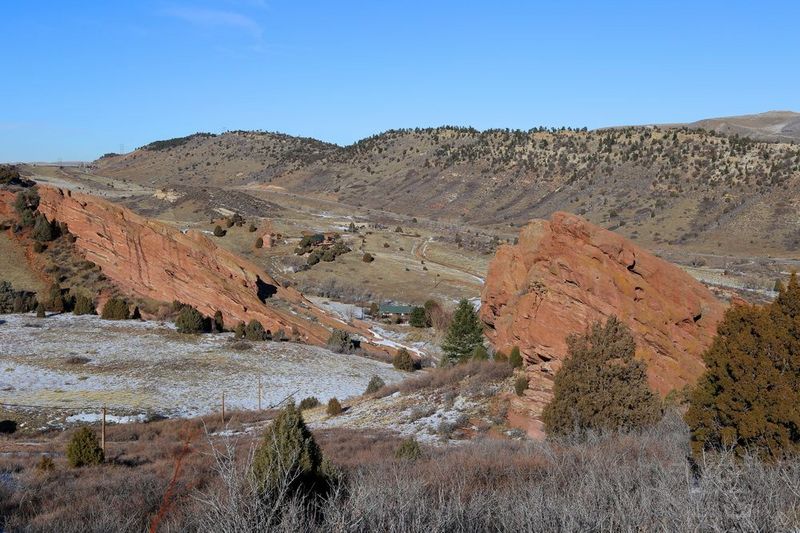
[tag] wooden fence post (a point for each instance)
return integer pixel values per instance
(223, 408)
(103, 432)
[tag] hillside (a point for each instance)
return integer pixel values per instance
(695, 189)
(782, 126)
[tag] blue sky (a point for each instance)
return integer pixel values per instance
(85, 78)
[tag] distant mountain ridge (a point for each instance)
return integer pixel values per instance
(781, 126)
(656, 184)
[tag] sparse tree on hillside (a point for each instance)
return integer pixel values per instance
(25, 204)
(464, 335)
(601, 386)
(748, 399)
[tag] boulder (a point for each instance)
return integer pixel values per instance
(566, 273)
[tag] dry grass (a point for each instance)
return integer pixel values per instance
(633, 482)
(474, 372)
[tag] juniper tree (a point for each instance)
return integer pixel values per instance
(402, 360)
(190, 321)
(83, 305)
(601, 386)
(464, 335)
(748, 399)
(289, 458)
(84, 449)
(254, 331)
(115, 309)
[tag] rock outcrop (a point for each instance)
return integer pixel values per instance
(566, 273)
(156, 261)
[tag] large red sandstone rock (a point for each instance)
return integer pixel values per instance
(156, 261)
(566, 273)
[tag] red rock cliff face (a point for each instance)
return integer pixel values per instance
(566, 273)
(153, 260)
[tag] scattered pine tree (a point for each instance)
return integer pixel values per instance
(464, 335)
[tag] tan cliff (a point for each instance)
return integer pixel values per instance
(566, 273)
(153, 260)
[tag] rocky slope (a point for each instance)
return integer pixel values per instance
(566, 273)
(658, 186)
(155, 261)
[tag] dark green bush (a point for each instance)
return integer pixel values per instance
(334, 407)
(375, 384)
(84, 306)
(288, 451)
(116, 309)
(340, 342)
(309, 403)
(218, 324)
(515, 358)
(255, 331)
(43, 230)
(191, 321)
(402, 360)
(409, 450)
(419, 318)
(239, 330)
(25, 204)
(84, 449)
(367, 258)
(520, 385)
(218, 231)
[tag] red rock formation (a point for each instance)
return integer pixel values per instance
(156, 261)
(566, 273)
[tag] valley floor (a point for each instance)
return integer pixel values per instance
(81, 363)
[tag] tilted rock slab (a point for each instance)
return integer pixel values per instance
(153, 260)
(565, 274)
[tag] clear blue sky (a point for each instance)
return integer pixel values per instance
(84, 78)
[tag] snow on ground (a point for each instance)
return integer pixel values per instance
(146, 367)
(427, 419)
(342, 311)
(384, 337)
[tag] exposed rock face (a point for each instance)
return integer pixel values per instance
(566, 273)
(156, 261)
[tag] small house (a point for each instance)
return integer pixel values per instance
(398, 313)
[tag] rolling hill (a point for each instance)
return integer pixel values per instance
(662, 186)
